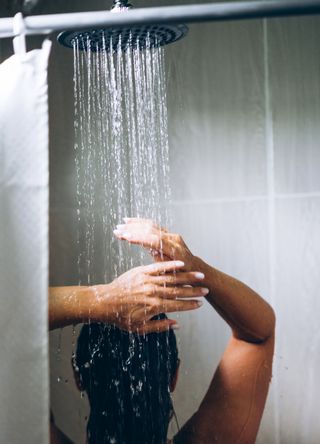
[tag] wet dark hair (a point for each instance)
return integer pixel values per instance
(127, 379)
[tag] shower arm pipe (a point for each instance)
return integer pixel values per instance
(46, 24)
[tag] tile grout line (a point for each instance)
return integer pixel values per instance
(269, 135)
(218, 200)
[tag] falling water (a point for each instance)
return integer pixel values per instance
(122, 161)
(121, 150)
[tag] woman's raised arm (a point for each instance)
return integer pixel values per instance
(231, 411)
(130, 301)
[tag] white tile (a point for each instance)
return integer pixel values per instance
(70, 409)
(216, 111)
(298, 306)
(295, 90)
(61, 118)
(63, 248)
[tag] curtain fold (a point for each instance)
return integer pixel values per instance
(24, 248)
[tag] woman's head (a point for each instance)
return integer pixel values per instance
(127, 378)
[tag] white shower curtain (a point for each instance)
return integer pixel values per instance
(24, 248)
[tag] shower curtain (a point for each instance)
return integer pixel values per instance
(24, 248)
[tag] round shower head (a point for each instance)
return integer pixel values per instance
(123, 38)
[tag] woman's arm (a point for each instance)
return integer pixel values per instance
(69, 305)
(231, 411)
(232, 408)
(130, 301)
(250, 317)
(56, 436)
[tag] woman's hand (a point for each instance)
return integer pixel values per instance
(239, 305)
(162, 244)
(131, 300)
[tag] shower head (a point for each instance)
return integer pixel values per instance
(115, 38)
(123, 38)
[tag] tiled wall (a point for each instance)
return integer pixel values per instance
(245, 177)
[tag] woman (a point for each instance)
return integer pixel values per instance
(130, 303)
(128, 387)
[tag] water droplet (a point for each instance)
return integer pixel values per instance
(120, 120)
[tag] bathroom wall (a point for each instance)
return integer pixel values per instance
(244, 108)
(245, 175)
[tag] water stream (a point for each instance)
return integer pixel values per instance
(122, 163)
(121, 151)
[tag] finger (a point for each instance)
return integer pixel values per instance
(179, 278)
(157, 326)
(133, 220)
(163, 267)
(180, 292)
(158, 255)
(161, 241)
(141, 220)
(147, 240)
(159, 259)
(141, 228)
(170, 306)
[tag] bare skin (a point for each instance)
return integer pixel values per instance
(56, 436)
(231, 410)
(131, 300)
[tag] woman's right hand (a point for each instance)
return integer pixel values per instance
(132, 299)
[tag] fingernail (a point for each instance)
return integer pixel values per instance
(204, 291)
(179, 263)
(174, 326)
(200, 303)
(126, 219)
(122, 234)
(199, 275)
(121, 226)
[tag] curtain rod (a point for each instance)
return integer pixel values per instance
(46, 24)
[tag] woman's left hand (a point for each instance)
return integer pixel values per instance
(163, 245)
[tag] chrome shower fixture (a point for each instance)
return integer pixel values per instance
(120, 5)
(123, 37)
